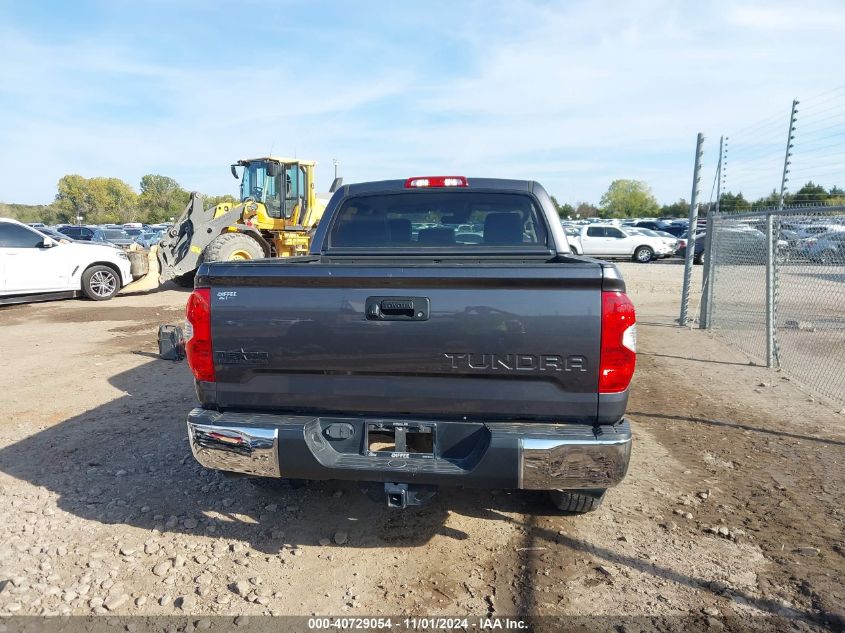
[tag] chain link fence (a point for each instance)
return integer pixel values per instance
(776, 290)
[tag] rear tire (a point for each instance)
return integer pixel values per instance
(100, 283)
(232, 247)
(186, 280)
(277, 485)
(577, 501)
(643, 254)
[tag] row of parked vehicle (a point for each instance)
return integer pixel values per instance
(821, 241)
(126, 236)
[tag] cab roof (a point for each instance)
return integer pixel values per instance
(277, 159)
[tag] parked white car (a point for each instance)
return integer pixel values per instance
(671, 242)
(604, 240)
(814, 230)
(33, 264)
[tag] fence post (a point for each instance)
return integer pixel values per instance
(772, 356)
(693, 220)
(790, 136)
(704, 318)
(770, 291)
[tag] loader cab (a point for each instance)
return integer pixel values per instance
(281, 186)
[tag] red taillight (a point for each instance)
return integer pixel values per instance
(198, 335)
(436, 181)
(618, 342)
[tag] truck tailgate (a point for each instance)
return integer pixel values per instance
(480, 342)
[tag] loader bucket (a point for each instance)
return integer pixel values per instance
(145, 264)
(180, 250)
(177, 254)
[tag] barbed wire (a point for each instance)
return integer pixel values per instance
(755, 162)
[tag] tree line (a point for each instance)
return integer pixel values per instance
(102, 200)
(634, 199)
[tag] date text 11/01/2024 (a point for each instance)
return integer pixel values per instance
(423, 623)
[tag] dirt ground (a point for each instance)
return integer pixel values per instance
(731, 517)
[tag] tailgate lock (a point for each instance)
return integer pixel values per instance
(397, 308)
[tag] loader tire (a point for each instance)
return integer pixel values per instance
(232, 247)
(576, 501)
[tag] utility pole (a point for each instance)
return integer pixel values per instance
(693, 221)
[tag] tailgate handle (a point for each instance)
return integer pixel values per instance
(398, 308)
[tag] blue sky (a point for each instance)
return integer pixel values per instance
(573, 94)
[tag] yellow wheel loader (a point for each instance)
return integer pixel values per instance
(276, 217)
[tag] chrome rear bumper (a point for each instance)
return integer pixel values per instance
(591, 457)
(251, 450)
(511, 455)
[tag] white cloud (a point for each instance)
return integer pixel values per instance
(791, 17)
(574, 95)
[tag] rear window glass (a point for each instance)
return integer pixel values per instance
(448, 219)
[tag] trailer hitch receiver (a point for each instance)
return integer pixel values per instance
(402, 495)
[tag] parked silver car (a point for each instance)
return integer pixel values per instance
(829, 248)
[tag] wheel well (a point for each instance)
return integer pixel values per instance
(254, 234)
(111, 265)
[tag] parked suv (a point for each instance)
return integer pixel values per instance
(118, 237)
(33, 264)
(77, 232)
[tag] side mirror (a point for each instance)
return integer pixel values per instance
(49, 242)
(336, 184)
(234, 169)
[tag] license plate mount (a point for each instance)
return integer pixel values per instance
(406, 440)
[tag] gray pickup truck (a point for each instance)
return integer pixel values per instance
(439, 333)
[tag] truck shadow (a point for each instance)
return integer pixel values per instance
(128, 462)
(737, 425)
